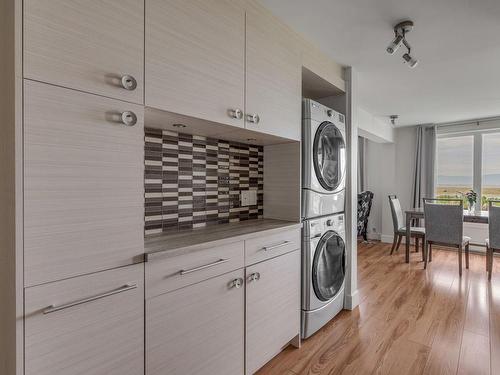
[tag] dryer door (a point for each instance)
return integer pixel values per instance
(328, 268)
(329, 156)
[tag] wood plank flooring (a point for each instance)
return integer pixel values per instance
(409, 321)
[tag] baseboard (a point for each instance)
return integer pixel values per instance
(373, 236)
(351, 301)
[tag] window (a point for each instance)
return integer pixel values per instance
(490, 169)
(454, 166)
(468, 161)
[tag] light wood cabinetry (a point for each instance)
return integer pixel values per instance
(198, 329)
(83, 184)
(195, 58)
(86, 45)
(89, 325)
(269, 246)
(272, 308)
(273, 76)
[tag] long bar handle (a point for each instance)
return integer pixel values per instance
(124, 288)
(213, 264)
(267, 248)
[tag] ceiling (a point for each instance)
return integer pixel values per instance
(456, 41)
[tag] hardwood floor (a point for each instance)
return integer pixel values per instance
(409, 321)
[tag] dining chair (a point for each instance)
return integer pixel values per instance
(400, 229)
(493, 241)
(444, 226)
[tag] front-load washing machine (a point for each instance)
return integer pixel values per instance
(324, 160)
(323, 271)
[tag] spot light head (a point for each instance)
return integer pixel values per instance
(412, 62)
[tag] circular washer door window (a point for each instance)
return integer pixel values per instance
(328, 266)
(329, 156)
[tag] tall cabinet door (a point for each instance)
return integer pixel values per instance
(273, 77)
(90, 45)
(197, 330)
(272, 308)
(195, 58)
(83, 183)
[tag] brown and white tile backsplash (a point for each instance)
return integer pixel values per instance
(193, 181)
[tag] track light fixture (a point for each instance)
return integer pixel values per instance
(400, 31)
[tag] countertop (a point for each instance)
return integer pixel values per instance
(185, 241)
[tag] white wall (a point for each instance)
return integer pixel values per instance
(374, 128)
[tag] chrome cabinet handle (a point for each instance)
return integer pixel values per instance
(213, 264)
(253, 118)
(128, 82)
(129, 118)
(235, 113)
(267, 248)
(254, 277)
(236, 283)
(54, 308)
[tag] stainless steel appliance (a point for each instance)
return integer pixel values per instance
(323, 271)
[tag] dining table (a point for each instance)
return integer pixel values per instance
(417, 213)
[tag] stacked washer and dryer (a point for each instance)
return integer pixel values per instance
(323, 196)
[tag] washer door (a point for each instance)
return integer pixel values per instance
(328, 268)
(329, 156)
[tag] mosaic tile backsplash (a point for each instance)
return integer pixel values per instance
(193, 181)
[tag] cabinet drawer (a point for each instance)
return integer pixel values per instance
(268, 246)
(164, 274)
(86, 45)
(197, 330)
(83, 184)
(89, 325)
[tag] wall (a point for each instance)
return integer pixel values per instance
(193, 181)
(374, 128)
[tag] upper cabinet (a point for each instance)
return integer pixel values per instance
(93, 46)
(273, 76)
(195, 58)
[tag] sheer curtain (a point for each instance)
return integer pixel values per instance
(425, 157)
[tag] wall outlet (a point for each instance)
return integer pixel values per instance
(248, 198)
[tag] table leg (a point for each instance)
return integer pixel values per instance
(407, 244)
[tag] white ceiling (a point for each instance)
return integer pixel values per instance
(456, 41)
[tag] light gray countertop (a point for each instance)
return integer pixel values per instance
(185, 241)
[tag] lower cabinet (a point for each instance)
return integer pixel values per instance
(88, 325)
(198, 329)
(272, 307)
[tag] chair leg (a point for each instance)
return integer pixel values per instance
(460, 260)
(430, 252)
(394, 242)
(489, 259)
(399, 242)
(467, 256)
(417, 240)
(424, 254)
(423, 249)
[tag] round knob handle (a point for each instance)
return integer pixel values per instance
(128, 82)
(129, 118)
(236, 283)
(254, 118)
(329, 222)
(329, 113)
(254, 276)
(235, 113)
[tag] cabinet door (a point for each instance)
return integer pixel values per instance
(89, 45)
(198, 329)
(83, 184)
(195, 58)
(273, 77)
(272, 308)
(88, 325)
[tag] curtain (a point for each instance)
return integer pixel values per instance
(361, 164)
(425, 156)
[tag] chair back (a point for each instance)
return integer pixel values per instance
(444, 220)
(494, 224)
(365, 199)
(397, 213)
